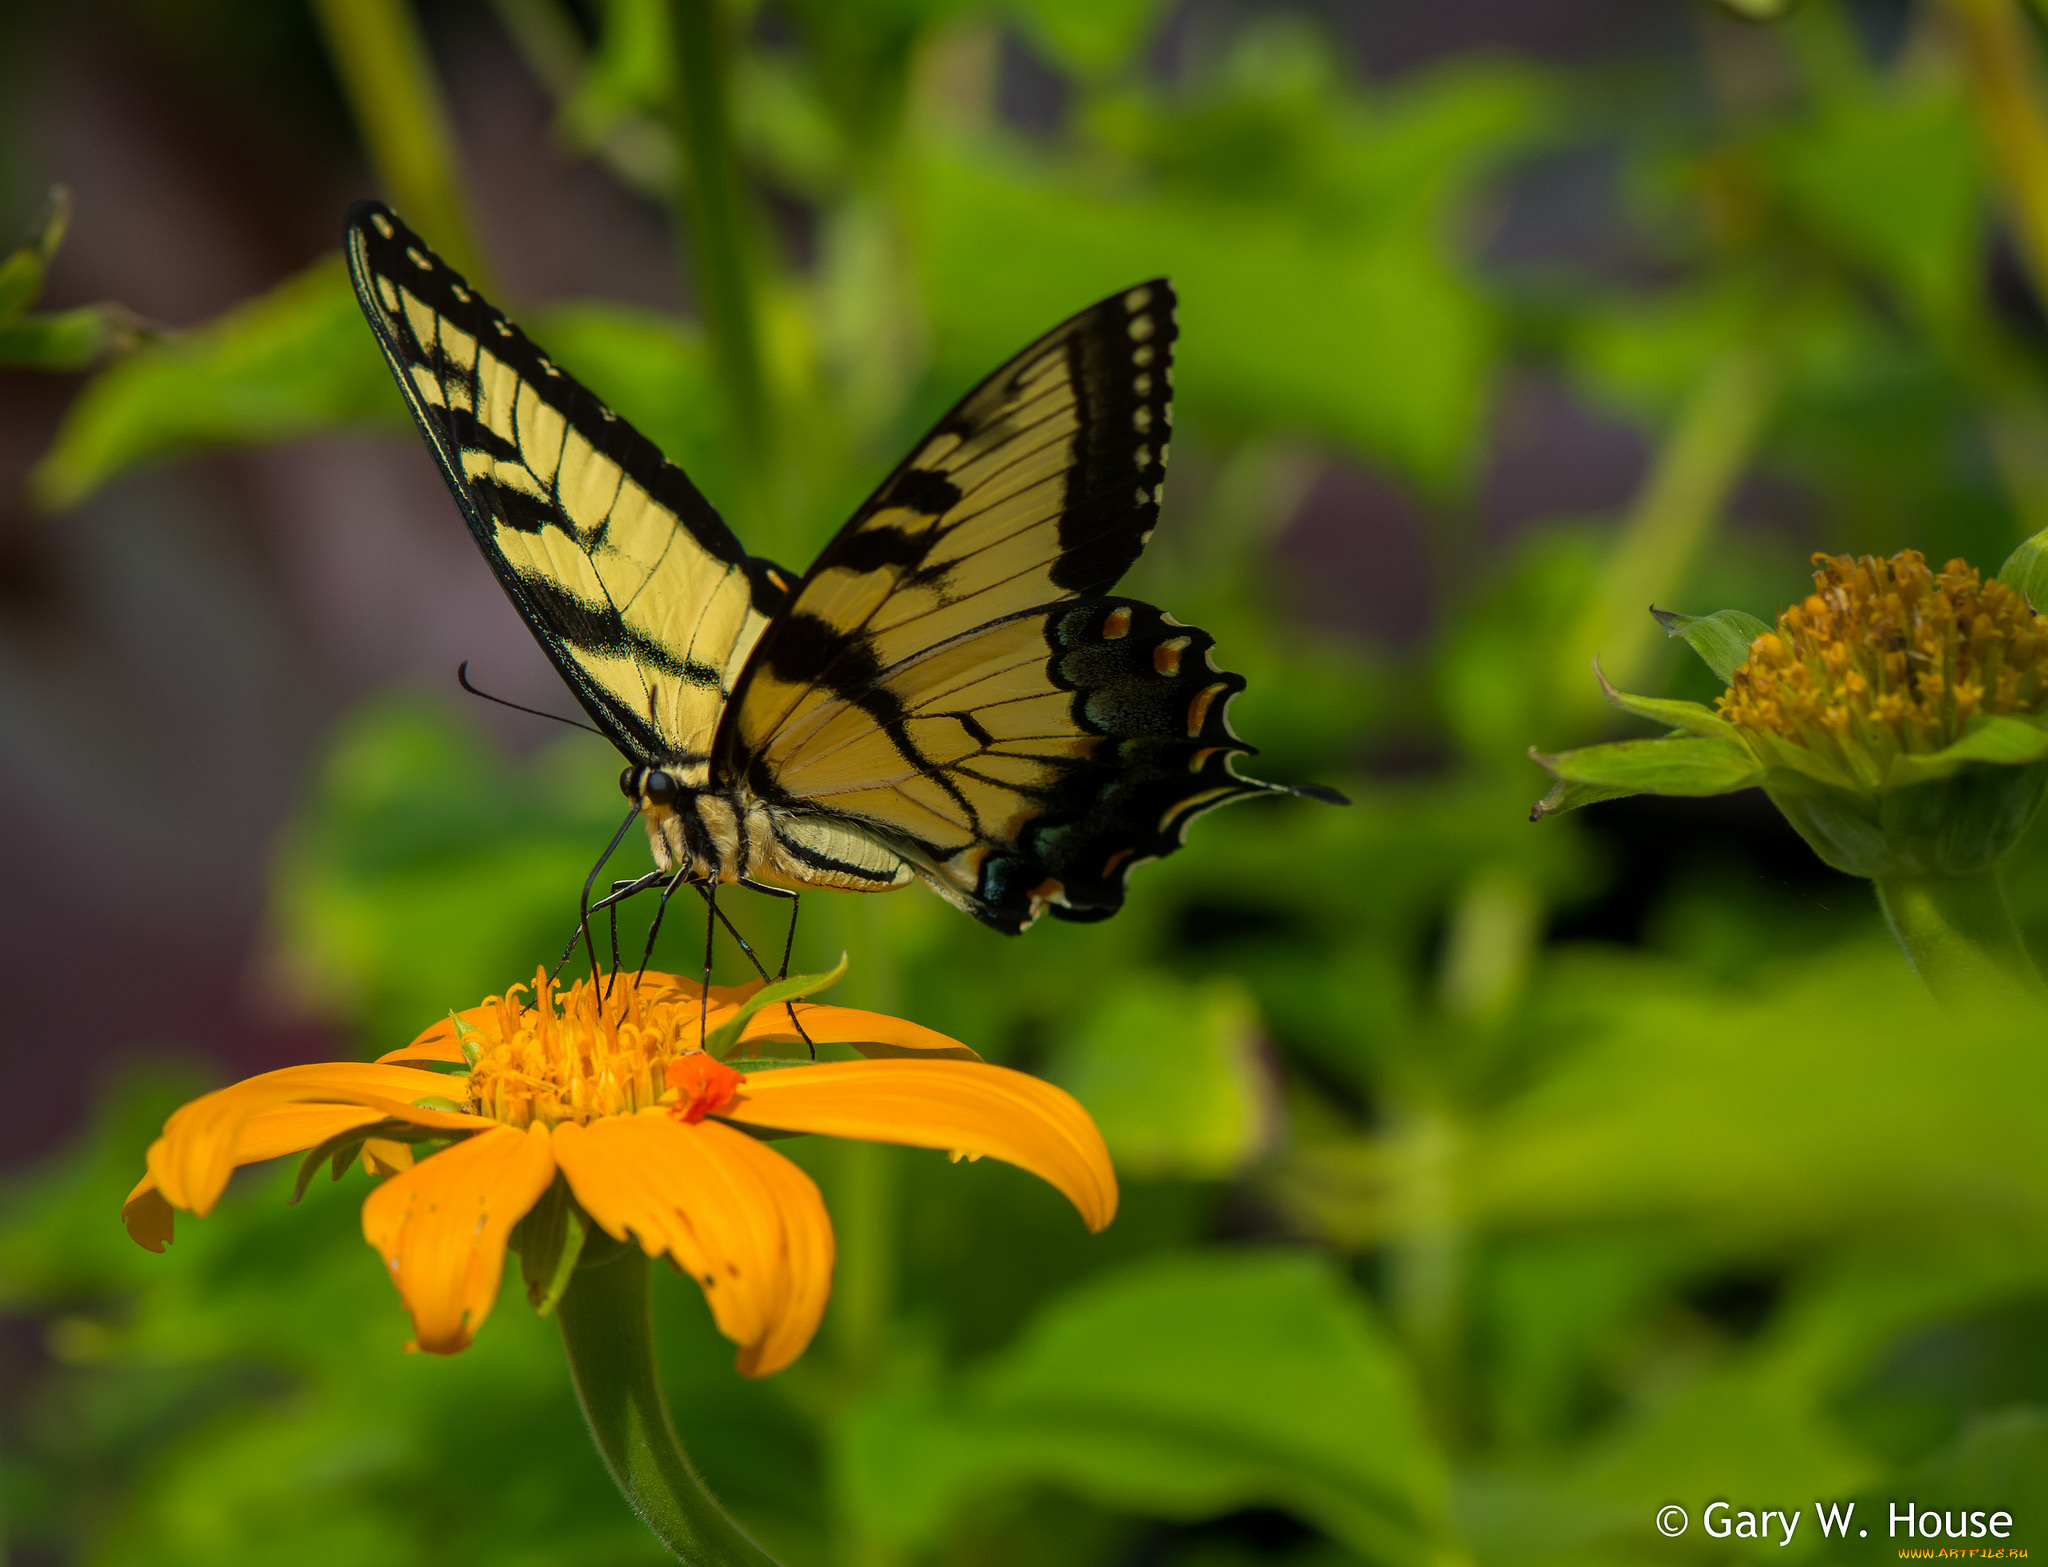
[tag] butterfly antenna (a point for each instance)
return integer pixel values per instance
(462, 679)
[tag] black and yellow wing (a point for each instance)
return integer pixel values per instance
(635, 587)
(953, 679)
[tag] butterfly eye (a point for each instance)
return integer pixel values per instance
(629, 783)
(660, 789)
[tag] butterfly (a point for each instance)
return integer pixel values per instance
(953, 693)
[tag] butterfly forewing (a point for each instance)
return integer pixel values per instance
(634, 585)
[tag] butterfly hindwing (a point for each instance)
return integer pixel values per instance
(634, 585)
(948, 675)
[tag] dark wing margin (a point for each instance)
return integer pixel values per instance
(633, 584)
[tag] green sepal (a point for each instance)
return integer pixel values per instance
(462, 1032)
(1566, 796)
(1721, 639)
(1959, 824)
(440, 1102)
(21, 281)
(341, 1149)
(1693, 718)
(724, 1040)
(21, 274)
(549, 1241)
(1758, 10)
(1688, 766)
(2026, 569)
(1999, 741)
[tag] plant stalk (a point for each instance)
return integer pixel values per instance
(608, 1330)
(722, 244)
(1957, 933)
(388, 78)
(1699, 464)
(2003, 68)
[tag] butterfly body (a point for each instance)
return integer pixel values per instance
(953, 693)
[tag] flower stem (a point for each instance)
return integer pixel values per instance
(608, 1330)
(723, 245)
(1957, 932)
(389, 80)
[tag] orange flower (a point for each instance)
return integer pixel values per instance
(613, 1098)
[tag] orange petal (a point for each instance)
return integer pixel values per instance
(147, 1216)
(734, 1215)
(267, 1134)
(871, 1033)
(962, 1106)
(204, 1140)
(441, 1228)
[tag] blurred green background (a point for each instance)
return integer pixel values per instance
(1488, 1186)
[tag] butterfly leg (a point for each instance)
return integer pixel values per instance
(621, 890)
(654, 927)
(760, 968)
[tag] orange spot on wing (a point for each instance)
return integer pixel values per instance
(1117, 623)
(1166, 656)
(1198, 709)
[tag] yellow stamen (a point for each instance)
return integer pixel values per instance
(578, 1056)
(1886, 656)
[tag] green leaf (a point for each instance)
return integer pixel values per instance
(1185, 1388)
(549, 1241)
(66, 339)
(288, 363)
(1691, 767)
(1087, 36)
(1721, 639)
(724, 1039)
(1895, 180)
(1290, 278)
(1173, 1075)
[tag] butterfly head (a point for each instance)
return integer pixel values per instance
(653, 789)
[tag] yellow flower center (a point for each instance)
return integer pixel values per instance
(579, 1056)
(1887, 656)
